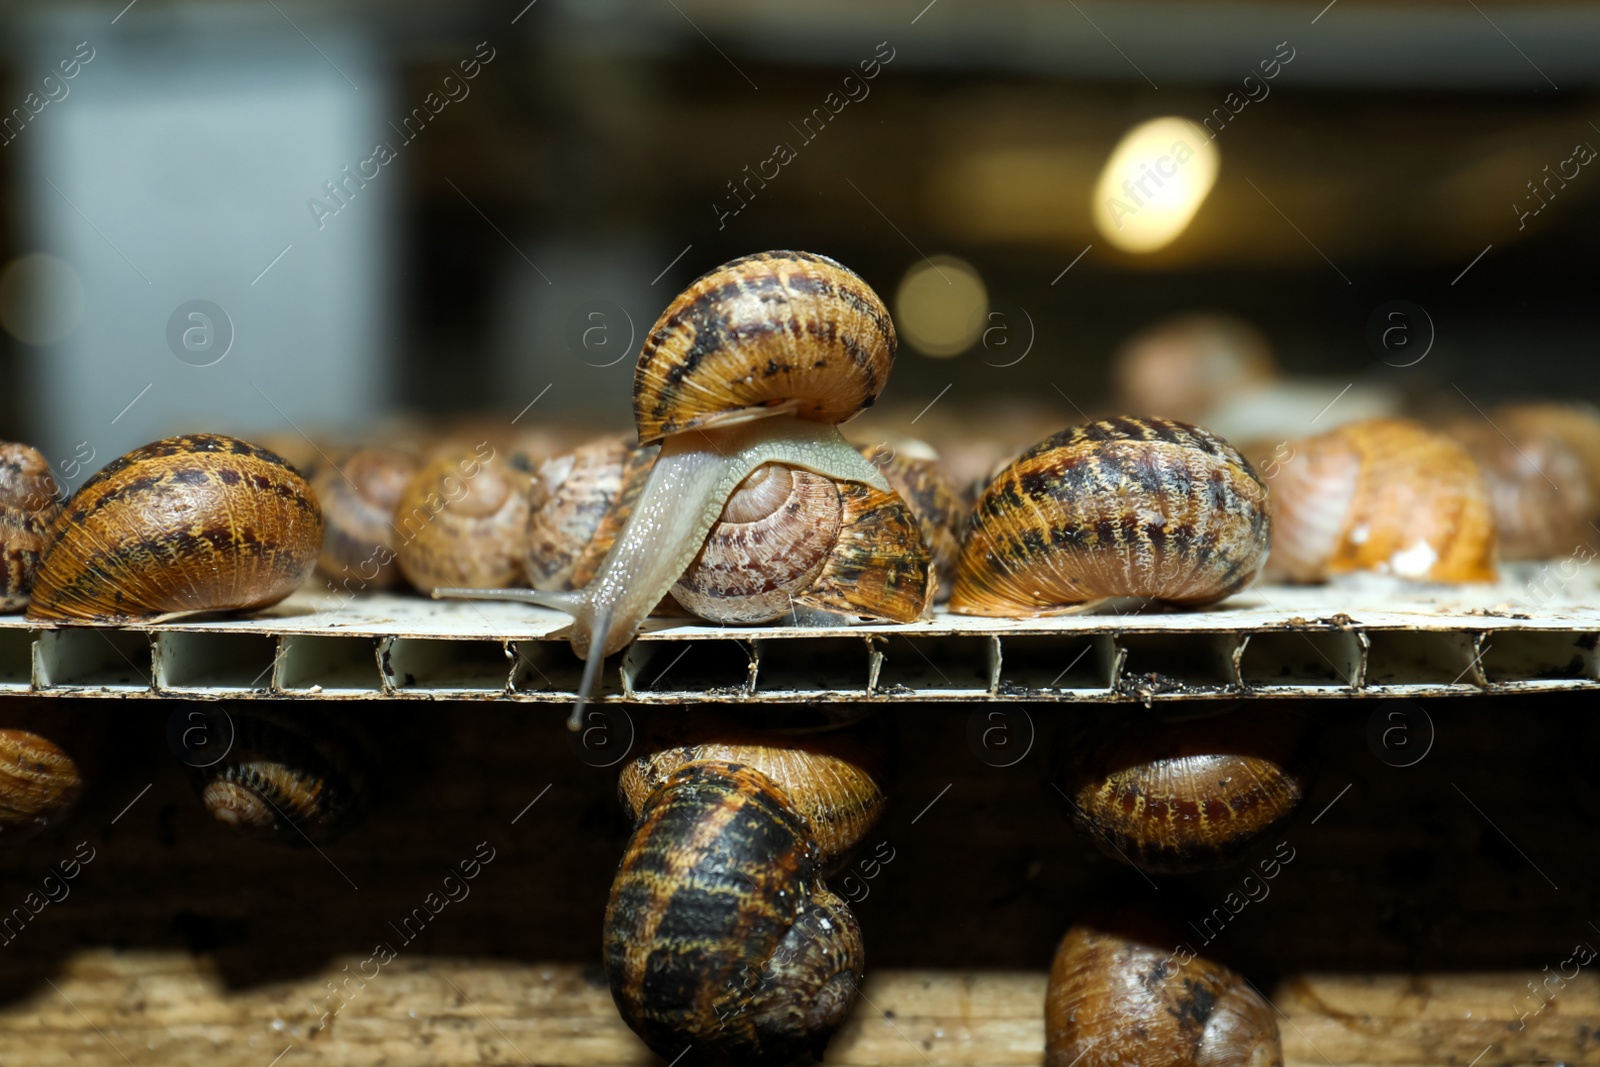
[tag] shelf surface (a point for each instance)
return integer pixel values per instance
(1535, 630)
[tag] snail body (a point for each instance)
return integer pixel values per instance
(720, 933)
(1122, 507)
(30, 500)
(753, 364)
(185, 525)
(358, 505)
(462, 521)
(1120, 993)
(286, 778)
(574, 494)
(1182, 796)
(1385, 495)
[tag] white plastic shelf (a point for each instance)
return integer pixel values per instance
(1360, 637)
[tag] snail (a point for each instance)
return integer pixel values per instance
(720, 934)
(742, 381)
(30, 500)
(358, 507)
(574, 494)
(462, 521)
(1178, 796)
(42, 769)
(1540, 487)
(1127, 989)
(1185, 367)
(1122, 507)
(284, 777)
(178, 527)
(915, 473)
(1386, 495)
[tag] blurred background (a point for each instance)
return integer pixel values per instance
(274, 218)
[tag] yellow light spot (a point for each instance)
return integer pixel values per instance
(941, 306)
(1156, 179)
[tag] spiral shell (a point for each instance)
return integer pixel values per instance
(1126, 992)
(1385, 495)
(41, 772)
(29, 503)
(183, 525)
(1122, 507)
(358, 507)
(574, 508)
(915, 473)
(1185, 367)
(829, 777)
(719, 932)
(788, 537)
(1183, 796)
(291, 779)
(774, 332)
(463, 522)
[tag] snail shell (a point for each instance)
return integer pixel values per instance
(1188, 795)
(789, 332)
(462, 522)
(290, 779)
(358, 507)
(1384, 495)
(914, 472)
(1185, 367)
(576, 509)
(788, 537)
(1121, 993)
(830, 777)
(30, 500)
(181, 526)
(1122, 507)
(719, 932)
(41, 772)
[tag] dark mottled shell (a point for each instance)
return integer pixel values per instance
(719, 933)
(462, 523)
(187, 524)
(41, 774)
(1122, 507)
(1188, 795)
(1121, 996)
(765, 334)
(832, 778)
(30, 500)
(1383, 495)
(914, 471)
(573, 494)
(879, 568)
(635, 475)
(290, 778)
(358, 505)
(1541, 487)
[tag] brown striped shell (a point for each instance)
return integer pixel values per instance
(720, 934)
(289, 778)
(1134, 992)
(358, 504)
(573, 493)
(916, 474)
(462, 521)
(1172, 797)
(788, 537)
(184, 525)
(41, 771)
(775, 332)
(1122, 507)
(30, 500)
(832, 778)
(1385, 495)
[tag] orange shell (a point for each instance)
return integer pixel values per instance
(1122, 507)
(765, 334)
(183, 525)
(29, 503)
(40, 778)
(1541, 487)
(1384, 495)
(462, 521)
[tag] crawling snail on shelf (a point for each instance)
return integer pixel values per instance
(755, 503)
